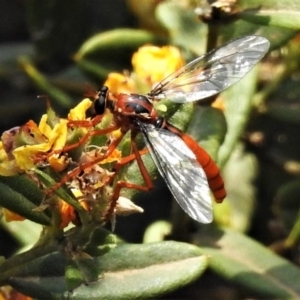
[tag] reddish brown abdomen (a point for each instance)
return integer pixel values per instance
(211, 170)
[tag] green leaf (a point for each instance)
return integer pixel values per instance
(244, 261)
(157, 231)
(80, 270)
(56, 94)
(17, 195)
(272, 13)
(248, 16)
(108, 51)
(128, 271)
(20, 230)
(114, 39)
(183, 26)
(74, 276)
(25, 186)
(241, 28)
(238, 103)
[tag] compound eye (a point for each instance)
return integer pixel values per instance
(100, 101)
(104, 90)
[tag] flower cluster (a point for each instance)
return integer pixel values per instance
(21, 146)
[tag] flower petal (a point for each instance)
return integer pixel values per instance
(119, 83)
(24, 155)
(79, 112)
(7, 167)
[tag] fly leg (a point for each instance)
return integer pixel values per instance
(124, 184)
(82, 140)
(84, 166)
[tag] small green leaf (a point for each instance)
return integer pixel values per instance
(25, 186)
(80, 270)
(111, 50)
(73, 275)
(18, 202)
(157, 231)
(114, 39)
(244, 261)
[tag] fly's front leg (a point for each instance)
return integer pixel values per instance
(86, 123)
(86, 137)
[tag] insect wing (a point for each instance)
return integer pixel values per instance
(213, 72)
(180, 169)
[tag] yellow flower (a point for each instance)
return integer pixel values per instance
(24, 155)
(115, 156)
(219, 103)
(67, 214)
(79, 112)
(153, 63)
(119, 83)
(58, 162)
(7, 167)
(41, 139)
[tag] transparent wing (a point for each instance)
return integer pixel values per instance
(213, 72)
(183, 174)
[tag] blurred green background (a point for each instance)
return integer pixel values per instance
(58, 48)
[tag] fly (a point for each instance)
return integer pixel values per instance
(187, 169)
